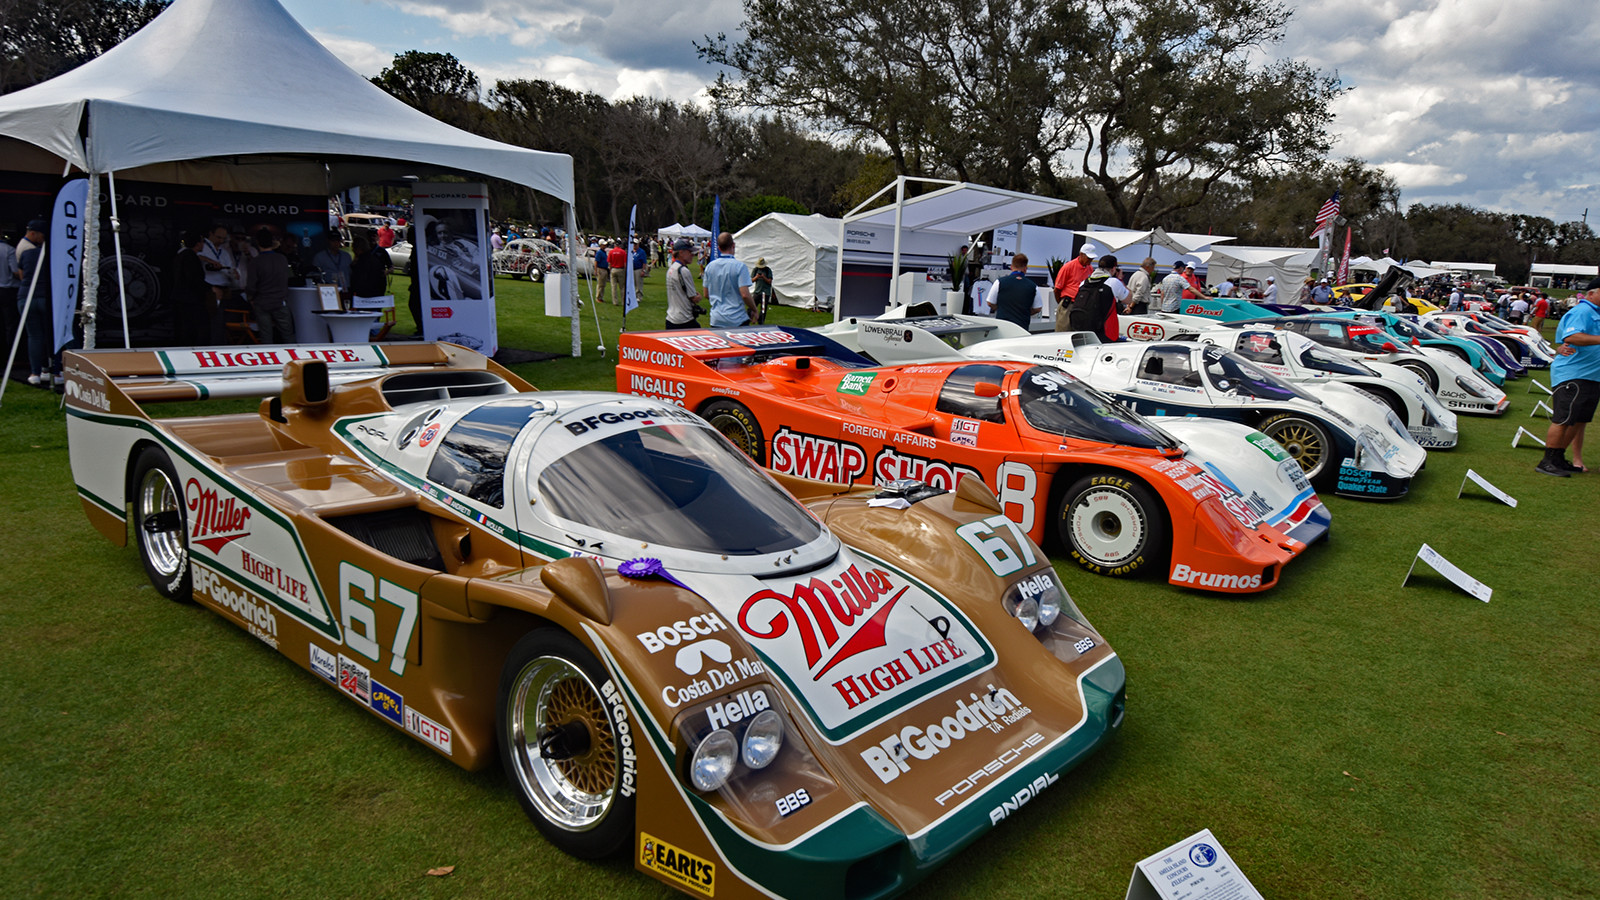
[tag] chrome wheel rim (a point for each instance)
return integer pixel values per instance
(573, 793)
(158, 502)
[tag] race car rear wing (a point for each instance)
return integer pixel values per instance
(747, 345)
(203, 373)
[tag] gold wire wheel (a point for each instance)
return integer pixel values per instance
(1304, 441)
(572, 780)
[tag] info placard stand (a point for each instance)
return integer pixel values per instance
(1534, 383)
(1482, 482)
(1525, 433)
(1543, 407)
(1195, 868)
(1451, 572)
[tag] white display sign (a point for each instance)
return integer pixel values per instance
(1451, 572)
(1482, 482)
(1535, 383)
(453, 266)
(1523, 432)
(1541, 407)
(1195, 868)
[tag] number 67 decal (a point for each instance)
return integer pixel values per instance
(352, 610)
(983, 536)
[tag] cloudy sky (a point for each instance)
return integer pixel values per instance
(1482, 102)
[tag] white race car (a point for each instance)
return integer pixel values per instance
(1457, 385)
(1298, 359)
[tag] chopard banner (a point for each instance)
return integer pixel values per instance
(453, 270)
(65, 243)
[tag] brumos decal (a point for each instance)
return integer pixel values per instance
(817, 458)
(677, 865)
(989, 712)
(856, 641)
(1182, 574)
(890, 465)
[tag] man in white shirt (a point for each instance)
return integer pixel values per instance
(1227, 288)
(220, 262)
(1270, 295)
(1172, 287)
(1139, 285)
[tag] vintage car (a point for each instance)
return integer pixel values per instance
(1341, 437)
(1528, 347)
(1415, 331)
(1119, 492)
(1457, 385)
(758, 685)
(1298, 359)
(529, 258)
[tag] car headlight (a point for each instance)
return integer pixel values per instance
(1470, 388)
(763, 739)
(712, 763)
(1038, 600)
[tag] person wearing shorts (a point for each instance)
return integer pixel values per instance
(1575, 379)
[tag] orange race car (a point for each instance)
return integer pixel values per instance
(1124, 494)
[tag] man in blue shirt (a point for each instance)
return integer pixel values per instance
(727, 282)
(1575, 376)
(1015, 298)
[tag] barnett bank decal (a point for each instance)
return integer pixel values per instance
(855, 642)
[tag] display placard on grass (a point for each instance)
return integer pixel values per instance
(1195, 868)
(1451, 572)
(1482, 482)
(1525, 433)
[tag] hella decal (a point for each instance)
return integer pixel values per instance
(737, 709)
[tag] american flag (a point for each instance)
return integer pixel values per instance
(1326, 214)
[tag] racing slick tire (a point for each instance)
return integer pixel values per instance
(160, 525)
(1112, 525)
(566, 750)
(737, 424)
(1423, 372)
(1305, 440)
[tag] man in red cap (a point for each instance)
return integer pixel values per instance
(1068, 279)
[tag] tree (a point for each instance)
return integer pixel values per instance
(1154, 103)
(40, 39)
(436, 83)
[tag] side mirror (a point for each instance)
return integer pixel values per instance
(986, 389)
(1389, 347)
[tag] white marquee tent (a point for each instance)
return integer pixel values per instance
(803, 252)
(1288, 266)
(161, 107)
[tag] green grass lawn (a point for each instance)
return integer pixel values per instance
(1344, 737)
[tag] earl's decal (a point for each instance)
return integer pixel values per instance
(678, 866)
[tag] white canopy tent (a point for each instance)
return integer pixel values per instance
(153, 108)
(695, 232)
(802, 252)
(1178, 243)
(1482, 268)
(1288, 266)
(671, 231)
(955, 212)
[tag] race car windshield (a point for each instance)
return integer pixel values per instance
(1060, 405)
(1314, 357)
(1231, 374)
(675, 486)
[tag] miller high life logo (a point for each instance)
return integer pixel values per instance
(214, 522)
(823, 616)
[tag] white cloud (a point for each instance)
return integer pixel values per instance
(366, 58)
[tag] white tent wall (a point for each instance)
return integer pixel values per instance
(1288, 266)
(801, 251)
(153, 109)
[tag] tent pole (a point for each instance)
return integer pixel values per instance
(899, 212)
(116, 247)
(571, 287)
(27, 307)
(838, 277)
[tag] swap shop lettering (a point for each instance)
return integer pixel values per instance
(818, 458)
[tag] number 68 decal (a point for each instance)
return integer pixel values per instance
(984, 537)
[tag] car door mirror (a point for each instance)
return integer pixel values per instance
(1389, 347)
(986, 389)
